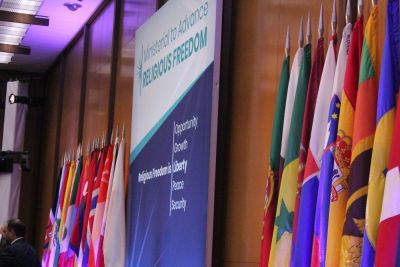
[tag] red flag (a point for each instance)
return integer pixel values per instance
(98, 218)
(100, 255)
(87, 198)
(95, 194)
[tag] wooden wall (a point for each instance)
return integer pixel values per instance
(89, 93)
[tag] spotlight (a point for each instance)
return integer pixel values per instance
(31, 101)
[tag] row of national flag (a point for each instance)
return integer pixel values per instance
(86, 225)
(333, 191)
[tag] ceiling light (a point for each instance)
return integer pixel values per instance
(21, 6)
(5, 58)
(12, 33)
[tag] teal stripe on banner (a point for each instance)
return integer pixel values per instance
(135, 152)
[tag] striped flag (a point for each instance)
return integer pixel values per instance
(309, 185)
(312, 92)
(55, 243)
(76, 234)
(385, 116)
(98, 218)
(71, 212)
(388, 242)
(93, 204)
(87, 196)
(342, 156)
(71, 176)
(282, 236)
(363, 138)
(325, 156)
(272, 188)
(114, 235)
(64, 208)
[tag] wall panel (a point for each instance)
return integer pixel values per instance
(48, 175)
(71, 98)
(30, 180)
(98, 77)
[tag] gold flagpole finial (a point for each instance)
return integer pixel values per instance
(374, 2)
(308, 33)
(287, 42)
(301, 34)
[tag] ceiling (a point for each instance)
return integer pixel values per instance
(66, 18)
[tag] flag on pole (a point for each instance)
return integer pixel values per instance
(363, 138)
(342, 155)
(272, 187)
(98, 218)
(51, 220)
(388, 242)
(93, 204)
(71, 176)
(385, 116)
(312, 92)
(291, 93)
(114, 235)
(321, 166)
(309, 187)
(87, 195)
(76, 234)
(71, 213)
(64, 207)
(282, 236)
(55, 242)
(100, 253)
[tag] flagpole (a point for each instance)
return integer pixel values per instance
(308, 34)
(348, 12)
(123, 130)
(287, 42)
(321, 23)
(334, 18)
(360, 8)
(374, 2)
(301, 34)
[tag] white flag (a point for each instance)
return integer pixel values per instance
(114, 236)
(291, 93)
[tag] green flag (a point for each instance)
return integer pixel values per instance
(282, 236)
